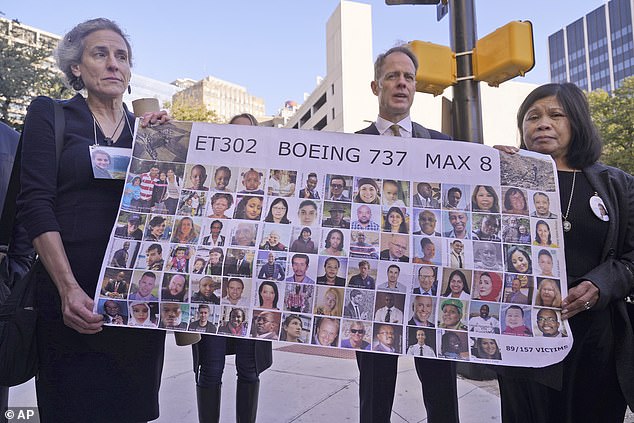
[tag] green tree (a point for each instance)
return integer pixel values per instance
(614, 117)
(25, 73)
(182, 111)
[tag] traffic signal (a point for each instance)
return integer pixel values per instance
(504, 54)
(436, 67)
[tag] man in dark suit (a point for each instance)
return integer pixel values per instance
(116, 288)
(311, 188)
(238, 265)
(112, 313)
(427, 281)
(423, 197)
(396, 249)
(395, 85)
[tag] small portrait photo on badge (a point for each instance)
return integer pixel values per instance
(109, 162)
(598, 208)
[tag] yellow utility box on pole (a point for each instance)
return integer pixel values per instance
(505, 53)
(436, 67)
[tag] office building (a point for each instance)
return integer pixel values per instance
(225, 98)
(597, 50)
(342, 100)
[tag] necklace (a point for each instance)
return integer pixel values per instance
(567, 225)
(109, 140)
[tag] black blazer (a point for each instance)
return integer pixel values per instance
(418, 131)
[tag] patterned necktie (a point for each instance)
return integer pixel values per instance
(356, 311)
(421, 350)
(388, 315)
(396, 130)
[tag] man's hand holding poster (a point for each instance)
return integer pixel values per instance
(431, 248)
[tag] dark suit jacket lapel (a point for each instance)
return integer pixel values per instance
(598, 177)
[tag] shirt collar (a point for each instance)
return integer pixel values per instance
(383, 126)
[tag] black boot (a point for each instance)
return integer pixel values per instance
(247, 402)
(208, 400)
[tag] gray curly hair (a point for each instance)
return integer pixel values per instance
(70, 48)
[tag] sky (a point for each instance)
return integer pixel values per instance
(276, 49)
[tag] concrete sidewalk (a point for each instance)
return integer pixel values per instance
(301, 388)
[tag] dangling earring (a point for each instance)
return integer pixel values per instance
(129, 89)
(77, 84)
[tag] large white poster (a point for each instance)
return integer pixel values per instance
(432, 248)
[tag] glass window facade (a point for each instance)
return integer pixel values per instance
(609, 36)
(620, 12)
(557, 55)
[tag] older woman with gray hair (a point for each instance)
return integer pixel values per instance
(75, 349)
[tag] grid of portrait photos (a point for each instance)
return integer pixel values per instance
(422, 268)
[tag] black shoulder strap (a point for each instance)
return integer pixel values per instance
(9, 209)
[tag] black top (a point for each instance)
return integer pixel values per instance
(75, 369)
(584, 242)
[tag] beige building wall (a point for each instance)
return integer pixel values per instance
(225, 98)
(346, 87)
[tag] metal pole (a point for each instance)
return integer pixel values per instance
(467, 110)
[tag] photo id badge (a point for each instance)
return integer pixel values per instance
(109, 162)
(598, 208)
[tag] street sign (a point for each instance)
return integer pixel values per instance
(441, 10)
(396, 2)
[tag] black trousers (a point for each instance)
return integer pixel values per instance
(590, 390)
(377, 381)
